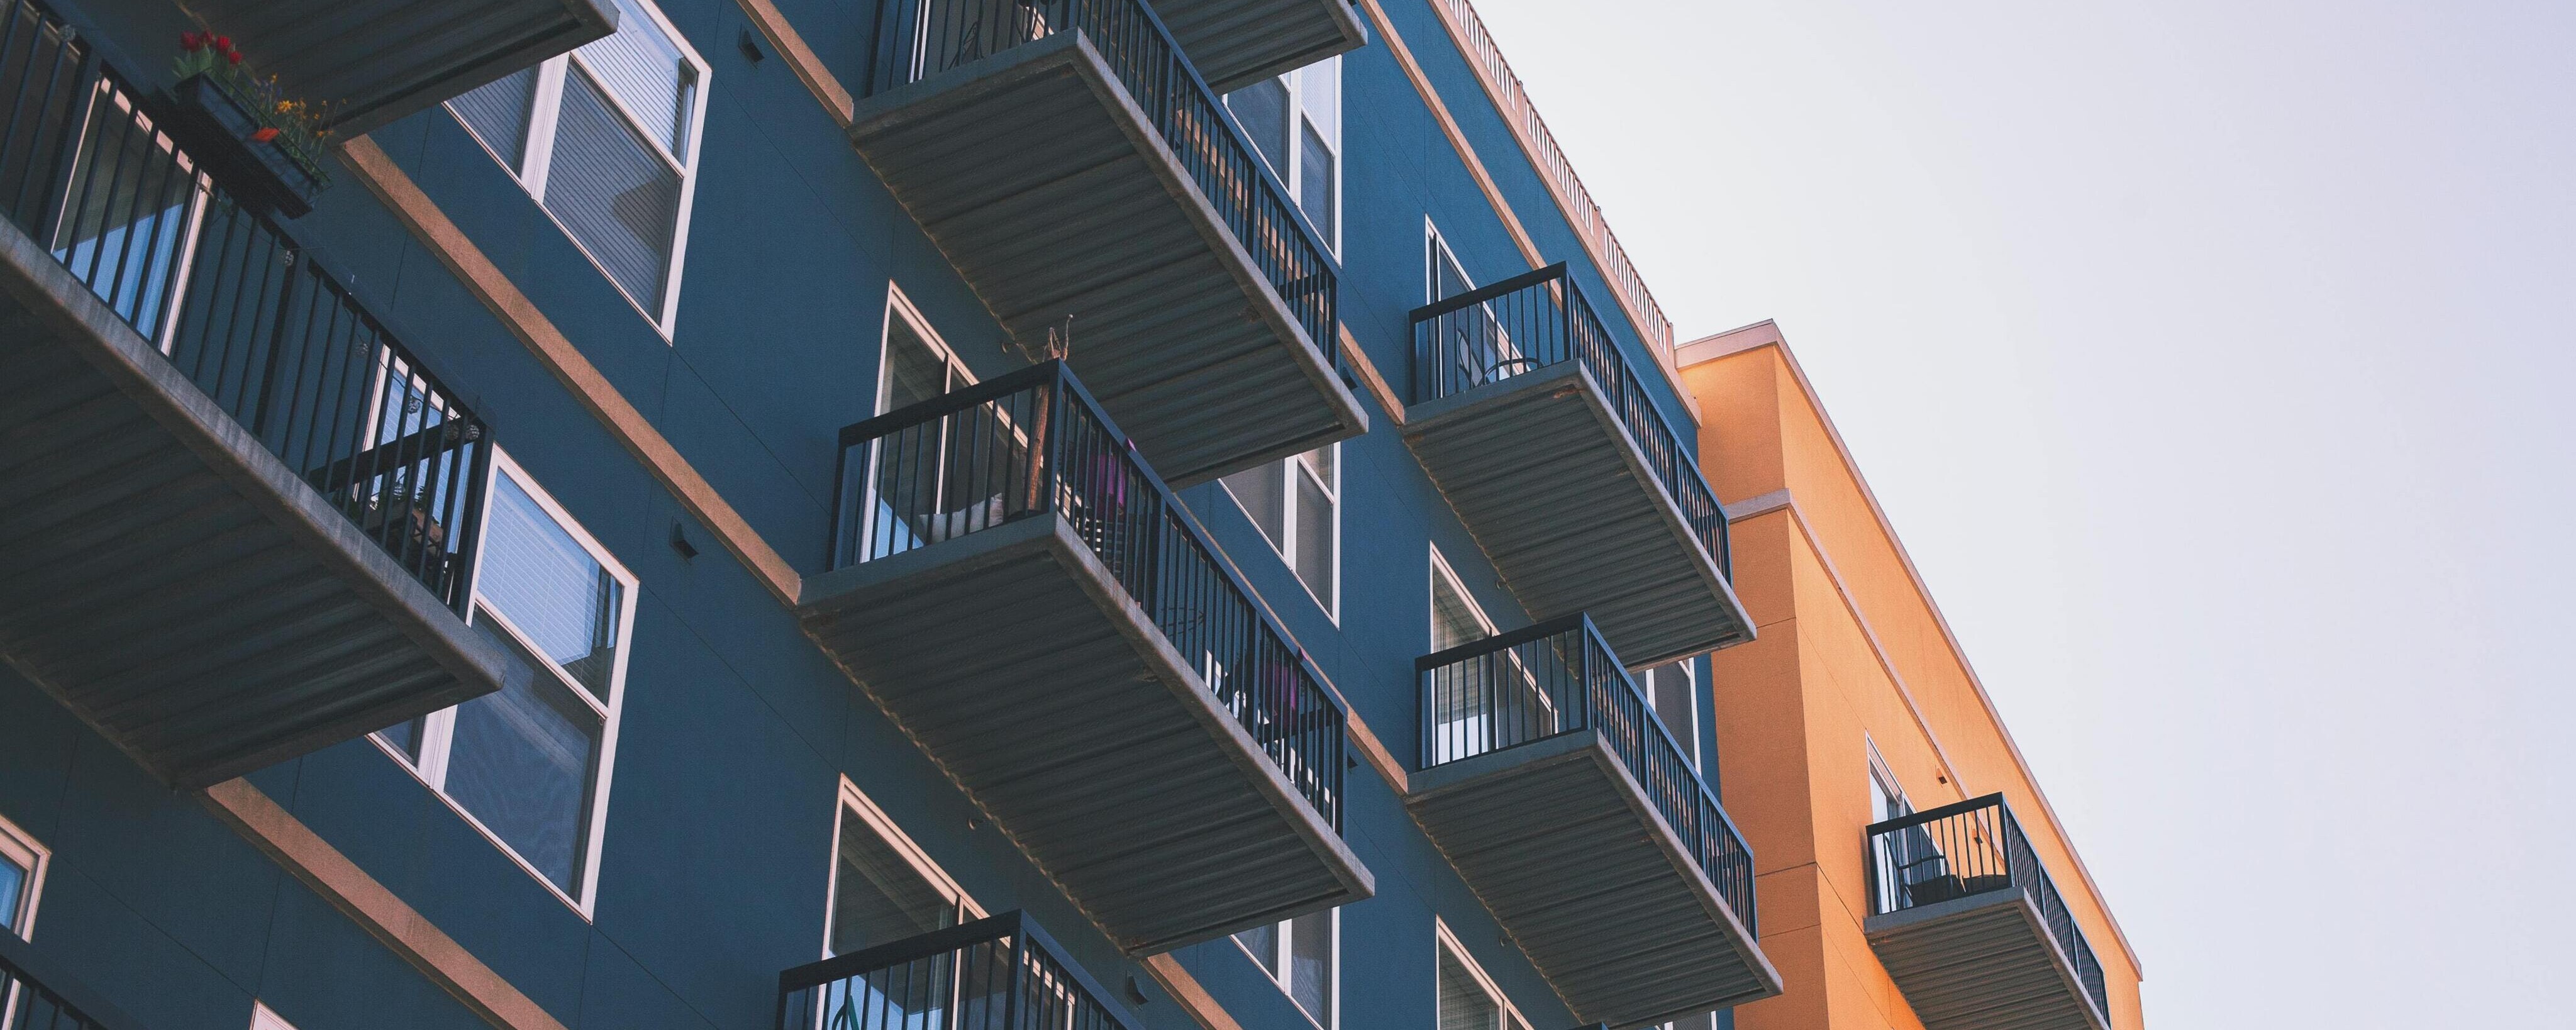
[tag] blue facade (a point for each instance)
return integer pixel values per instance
(735, 731)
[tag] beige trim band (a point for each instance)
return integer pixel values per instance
(291, 844)
(1194, 999)
(809, 68)
(485, 280)
(1373, 382)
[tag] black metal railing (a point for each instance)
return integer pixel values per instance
(1002, 973)
(36, 996)
(1560, 677)
(89, 171)
(1034, 442)
(917, 39)
(1970, 848)
(1539, 319)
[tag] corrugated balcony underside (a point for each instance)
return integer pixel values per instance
(1023, 670)
(1236, 43)
(1558, 842)
(170, 581)
(1556, 493)
(1981, 962)
(381, 59)
(1042, 182)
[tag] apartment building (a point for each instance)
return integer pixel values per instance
(542, 514)
(1911, 873)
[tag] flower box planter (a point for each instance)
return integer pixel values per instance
(217, 130)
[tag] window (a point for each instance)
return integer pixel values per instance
(1670, 687)
(606, 139)
(1471, 346)
(1302, 956)
(1297, 503)
(940, 479)
(1468, 999)
(1456, 621)
(529, 765)
(1295, 121)
(22, 878)
(1886, 797)
(264, 1018)
(884, 888)
(1442, 276)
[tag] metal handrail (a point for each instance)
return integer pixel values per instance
(1000, 973)
(90, 170)
(918, 39)
(1540, 319)
(1035, 442)
(1560, 677)
(37, 995)
(1966, 849)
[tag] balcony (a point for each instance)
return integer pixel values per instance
(378, 60)
(1547, 445)
(1568, 809)
(1022, 595)
(1972, 929)
(1071, 164)
(1002, 973)
(34, 994)
(236, 516)
(1236, 43)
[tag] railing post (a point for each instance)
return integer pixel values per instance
(1019, 953)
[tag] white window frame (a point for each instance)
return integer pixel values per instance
(898, 305)
(539, 153)
(1443, 574)
(1444, 938)
(1283, 945)
(1883, 781)
(855, 802)
(1434, 246)
(438, 729)
(21, 848)
(1288, 469)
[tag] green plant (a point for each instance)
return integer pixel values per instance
(297, 128)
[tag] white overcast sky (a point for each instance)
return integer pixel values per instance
(2214, 361)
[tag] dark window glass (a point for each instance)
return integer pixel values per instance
(498, 114)
(877, 896)
(1310, 965)
(1315, 183)
(522, 762)
(1264, 497)
(1262, 109)
(614, 192)
(13, 888)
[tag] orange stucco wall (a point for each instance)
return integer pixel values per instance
(1850, 651)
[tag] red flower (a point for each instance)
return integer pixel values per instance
(265, 134)
(223, 42)
(190, 41)
(233, 56)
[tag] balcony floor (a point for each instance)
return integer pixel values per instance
(1023, 669)
(1557, 494)
(173, 583)
(1559, 842)
(1236, 43)
(1046, 186)
(1982, 962)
